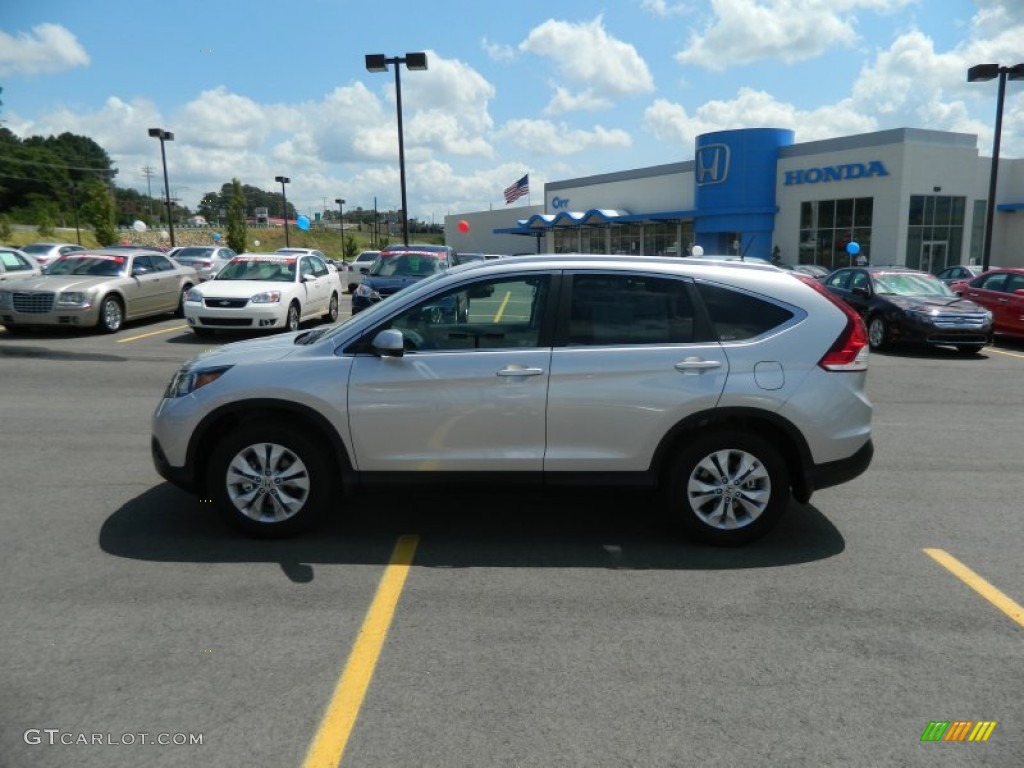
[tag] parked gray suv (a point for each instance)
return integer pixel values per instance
(731, 386)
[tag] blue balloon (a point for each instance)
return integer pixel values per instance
(853, 248)
(216, 237)
(302, 222)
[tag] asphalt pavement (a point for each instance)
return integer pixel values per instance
(568, 628)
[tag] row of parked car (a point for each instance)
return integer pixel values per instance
(214, 288)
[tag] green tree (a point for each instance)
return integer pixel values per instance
(237, 232)
(98, 211)
(5, 227)
(45, 226)
(350, 249)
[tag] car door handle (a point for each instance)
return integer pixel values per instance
(696, 365)
(513, 370)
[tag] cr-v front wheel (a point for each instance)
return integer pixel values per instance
(270, 480)
(728, 488)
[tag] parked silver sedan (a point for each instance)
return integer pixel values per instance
(100, 288)
(15, 263)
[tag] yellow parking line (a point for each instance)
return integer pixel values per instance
(152, 333)
(1004, 352)
(1001, 601)
(501, 309)
(329, 744)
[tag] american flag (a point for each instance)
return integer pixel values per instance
(517, 190)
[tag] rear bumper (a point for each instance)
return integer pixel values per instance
(838, 472)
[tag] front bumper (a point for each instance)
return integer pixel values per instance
(258, 316)
(183, 477)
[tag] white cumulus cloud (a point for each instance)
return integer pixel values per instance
(48, 48)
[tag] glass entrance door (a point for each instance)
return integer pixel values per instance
(934, 254)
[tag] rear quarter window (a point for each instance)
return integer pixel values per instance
(736, 316)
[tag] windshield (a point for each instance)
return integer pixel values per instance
(93, 266)
(406, 265)
(36, 248)
(201, 253)
(897, 284)
(269, 270)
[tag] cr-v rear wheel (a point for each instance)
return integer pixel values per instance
(270, 480)
(728, 488)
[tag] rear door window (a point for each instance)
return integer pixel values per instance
(736, 316)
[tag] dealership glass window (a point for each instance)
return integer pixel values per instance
(593, 239)
(661, 238)
(626, 238)
(828, 226)
(566, 240)
(935, 234)
(978, 232)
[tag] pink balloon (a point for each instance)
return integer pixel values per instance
(463, 226)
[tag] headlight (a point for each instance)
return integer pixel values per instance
(186, 381)
(5, 299)
(268, 297)
(73, 299)
(194, 297)
(366, 292)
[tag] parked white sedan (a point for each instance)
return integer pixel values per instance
(261, 291)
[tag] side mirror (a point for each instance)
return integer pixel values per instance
(1019, 292)
(308, 278)
(140, 271)
(364, 270)
(861, 292)
(389, 343)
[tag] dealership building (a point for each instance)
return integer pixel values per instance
(906, 196)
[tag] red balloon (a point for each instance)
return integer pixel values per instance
(463, 226)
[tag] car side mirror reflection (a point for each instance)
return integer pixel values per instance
(480, 291)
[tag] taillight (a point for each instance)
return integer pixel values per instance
(849, 352)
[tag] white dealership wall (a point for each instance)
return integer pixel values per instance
(917, 162)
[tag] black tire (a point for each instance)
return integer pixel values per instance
(332, 310)
(293, 319)
(111, 315)
(878, 333)
(180, 310)
(707, 502)
(351, 288)
(269, 480)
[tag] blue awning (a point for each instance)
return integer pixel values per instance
(1010, 207)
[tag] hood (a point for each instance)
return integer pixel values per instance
(57, 283)
(261, 350)
(946, 303)
(240, 289)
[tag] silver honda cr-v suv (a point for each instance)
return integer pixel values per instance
(732, 387)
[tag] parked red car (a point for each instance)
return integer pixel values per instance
(1001, 291)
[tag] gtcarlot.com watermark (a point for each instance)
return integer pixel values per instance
(54, 736)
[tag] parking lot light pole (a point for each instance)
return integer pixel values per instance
(976, 74)
(284, 204)
(378, 62)
(159, 133)
(341, 222)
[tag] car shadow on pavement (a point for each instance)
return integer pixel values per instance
(500, 528)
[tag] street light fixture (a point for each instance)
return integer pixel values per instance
(976, 74)
(341, 221)
(378, 62)
(159, 133)
(284, 204)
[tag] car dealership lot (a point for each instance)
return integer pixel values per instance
(532, 629)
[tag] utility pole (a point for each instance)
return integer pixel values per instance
(148, 174)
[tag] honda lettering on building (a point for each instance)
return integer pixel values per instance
(712, 163)
(836, 173)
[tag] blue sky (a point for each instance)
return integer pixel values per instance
(557, 90)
